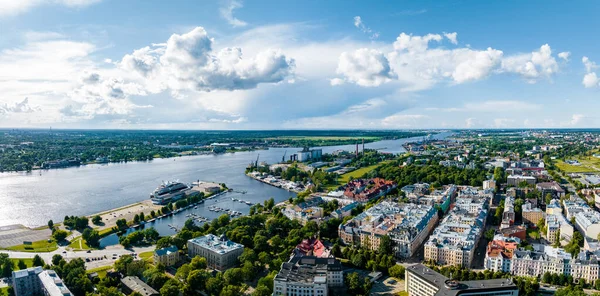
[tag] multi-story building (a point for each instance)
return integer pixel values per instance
(508, 216)
(514, 180)
(220, 253)
(309, 276)
(36, 281)
(489, 184)
(439, 197)
(363, 190)
(168, 256)
(407, 225)
(52, 285)
(420, 280)
(344, 211)
(453, 241)
(25, 282)
(499, 253)
(530, 214)
(552, 188)
(557, 225)
(545, 259)
(587, 220)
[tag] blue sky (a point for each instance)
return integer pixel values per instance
(298, 64)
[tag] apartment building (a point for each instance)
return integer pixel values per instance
(557, 224)
(543, 259)
(36, 281)
(309, 276)
(220, 253)
(499, 253)
(530, 214)
(514, 180)
(587, 219)
(423, 281)
(407, 225)
(453, 242)
(508, 216)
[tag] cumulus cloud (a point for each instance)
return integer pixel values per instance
(590, 79)
(564, 55)
(577, 118)
(365, 67)
(358, 22)
(188, 62)
(404, 120)
(532, 66)
(417, 65)
(227, 8)
(18, 107)
(14, 7)
(452, 37)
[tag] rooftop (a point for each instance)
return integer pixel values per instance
(216, 244)
(166, 251)
(449, 287)
(53, 284)
(27, 272)
(307, 269)
(137, 285)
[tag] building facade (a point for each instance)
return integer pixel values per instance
(36, 281)
(309, 276)
(220, 253)
(168, 256)
(407, 225)
(453, 241)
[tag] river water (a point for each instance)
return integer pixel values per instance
(35, 197)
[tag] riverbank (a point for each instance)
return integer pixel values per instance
(279, 183)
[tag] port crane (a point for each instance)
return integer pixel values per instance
(256, 163)
(283, 158)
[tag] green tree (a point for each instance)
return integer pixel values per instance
(385, 245)
(97, 219)
(198, 263)
(7, 268)
(91, 237)
(60, 235)
(38, 261)
(21, 264)
(397, 271)
(50, 224)
(170, 288)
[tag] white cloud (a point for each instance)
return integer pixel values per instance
(363, 28)
(470, 122)
(416, 66)
(404, 120)
(532, 66)
(590, 79)
(227, 8)
(412, 43)
(564, 55)
(577, 118)
(188, 62)
(503, 122)
(492, 106)
(14, 7)
(336, 81)
(18, 107)
(365, 67)
(452, 37)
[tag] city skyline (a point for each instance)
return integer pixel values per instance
(220, 65)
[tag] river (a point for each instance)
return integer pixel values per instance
(33, 198)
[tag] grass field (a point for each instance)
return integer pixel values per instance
(147, 256)
(585, 167)
(28, 262)
(39, 246)
(78, 243)
(100, 270)
(343, 179)
(4, 291)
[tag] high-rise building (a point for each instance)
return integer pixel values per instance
(36, 281)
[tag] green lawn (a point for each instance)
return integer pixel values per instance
(4, 291)
(100, 270)
(78, 243)
(587, 166)
(147, 256)
(28, 262)
(402, 293)
(39, 246)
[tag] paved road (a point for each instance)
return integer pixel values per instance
(106, 255)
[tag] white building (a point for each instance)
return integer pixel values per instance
(308, 276)
(420, 280)
(220, 253)
(52, 285)
(453, 242)
(489, 184)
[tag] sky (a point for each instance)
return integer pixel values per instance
(234, 64)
